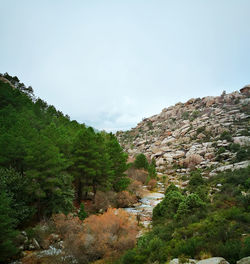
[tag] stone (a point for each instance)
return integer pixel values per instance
(176, 261)
(242, 140)
(35, 244)
(160, 162)
(245, 260)
(179, 154)
(201, 135)
(155, 150)
(173, 139)
(235, 166)
(184, 131)
(168, 140)
(24, 233)
(209, 156)
(215, 260)
(245, 90)
(160, 153)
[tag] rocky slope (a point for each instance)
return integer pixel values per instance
(211, 133)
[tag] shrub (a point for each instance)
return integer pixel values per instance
(195, 114)
(7, 229)
(152, 169)
(234, 147)
(200, 130)
(82, 214)
(104, 200)
(244, 252)
(141, 162)
(125, 199)
(195, 179)
(226, 136)
(185, 115)
(221, 150)
(100, 236)
(168, 206)
(122, 184)
(171, 188)
(152, 184)
(138, 175)
(192, 160)
(135, 187)
(66, 225)
(243, 154)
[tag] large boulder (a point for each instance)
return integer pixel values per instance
(243, 140)
(160, 162)
(178, 154)
(216, 260)
(176, 261)
(167, 140)
(245, 90)
(245, 260)
(235, 166)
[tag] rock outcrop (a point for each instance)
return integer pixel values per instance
(215, 260)
(244, 261)
(203, 133)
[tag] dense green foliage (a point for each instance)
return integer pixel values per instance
(209, 217)
(141, 162)
(82, 213)
(47, 161)
(7, 228)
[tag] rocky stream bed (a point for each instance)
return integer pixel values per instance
(144, 208)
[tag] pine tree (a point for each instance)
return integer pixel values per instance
(82, 214)
(119, 165)
(152, 169)
(7, 228)
(141, 162)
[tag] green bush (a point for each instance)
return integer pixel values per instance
(184, 224)
(7, 229)
(185, 115)
(243, 154)
(234, 147)
(82, 213)
(220, 150)
(226, 135)
(141, 162)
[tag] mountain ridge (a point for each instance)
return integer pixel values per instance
(205, 133)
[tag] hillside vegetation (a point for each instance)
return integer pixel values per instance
(207, 218)
(47, 162)
(61, 183)
(209, 133)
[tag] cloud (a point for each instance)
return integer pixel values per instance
(109, 64)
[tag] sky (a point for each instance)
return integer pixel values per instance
(109, 64)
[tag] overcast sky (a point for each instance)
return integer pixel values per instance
(111, 63)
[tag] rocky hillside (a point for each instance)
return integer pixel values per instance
(211, 133)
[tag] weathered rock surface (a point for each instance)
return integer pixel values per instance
(176, 261)
(189, 134)
(216, 260)
(244, 261)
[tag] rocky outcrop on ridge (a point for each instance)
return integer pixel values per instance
(206, 133)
